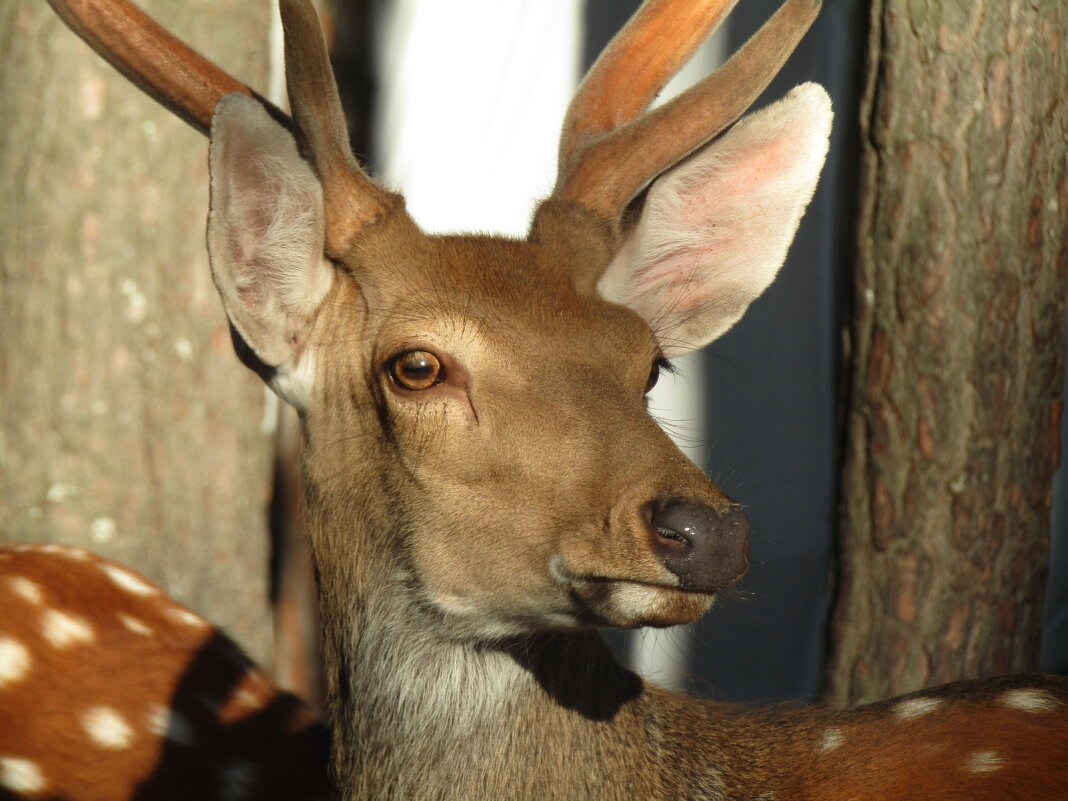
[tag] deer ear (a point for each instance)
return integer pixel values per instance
(715, 229)
(265, 240)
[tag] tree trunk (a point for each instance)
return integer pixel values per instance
(958, 345)
(126, 424)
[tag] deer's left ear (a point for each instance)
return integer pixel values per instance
(715, 228)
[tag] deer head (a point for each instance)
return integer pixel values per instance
(474, 407)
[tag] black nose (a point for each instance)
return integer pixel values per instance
(706, 549)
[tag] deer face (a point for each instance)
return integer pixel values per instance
(508, 414)
(488, 394)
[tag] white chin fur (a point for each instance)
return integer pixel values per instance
(638, 601)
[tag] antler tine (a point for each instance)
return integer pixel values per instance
(163, 67)
(636, 65)
(351, 199)
(605, 166)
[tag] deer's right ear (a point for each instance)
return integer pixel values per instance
(265, 240)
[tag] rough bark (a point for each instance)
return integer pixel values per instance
(126, 424)
(958, 343)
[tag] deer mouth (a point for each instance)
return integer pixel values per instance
(627, 604)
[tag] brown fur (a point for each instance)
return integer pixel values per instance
(140, 655)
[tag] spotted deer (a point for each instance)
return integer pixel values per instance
(484, 486)
(111, 690)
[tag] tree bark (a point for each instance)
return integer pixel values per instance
(126, 424)
(958, 345)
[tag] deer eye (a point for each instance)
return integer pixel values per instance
(654, 375)
(416, 369)
(661, 365)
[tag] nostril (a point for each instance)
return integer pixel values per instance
(673, 535)
(678, 527)
(681, 537)
(706, 548)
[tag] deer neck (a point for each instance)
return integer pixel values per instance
(417, 714)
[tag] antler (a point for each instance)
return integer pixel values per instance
(160, 65)
(350, 199)
(608, 152)
(189, 85)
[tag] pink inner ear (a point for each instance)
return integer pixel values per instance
(715, 228)
(680, 282)
(250, 214)
(738, 185)
(250, 296)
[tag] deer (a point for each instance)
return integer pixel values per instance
(484, 487)
(110, 690)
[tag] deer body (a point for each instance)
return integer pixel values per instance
(111, 690)
(484, 486)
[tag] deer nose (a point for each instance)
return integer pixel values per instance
(707, 549)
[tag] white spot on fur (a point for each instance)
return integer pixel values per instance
(1030, 700)
(63, 630)
(985, 762)
(157, 719)
(916, 707)
(257, 681)
(135, 625)
(107, 728)
(128, 581)
(20, 776)
(179, 615)
(238, 781)
(14, 661)
(248, 699)
(832, 739)
(26, 589)
(172, 725)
